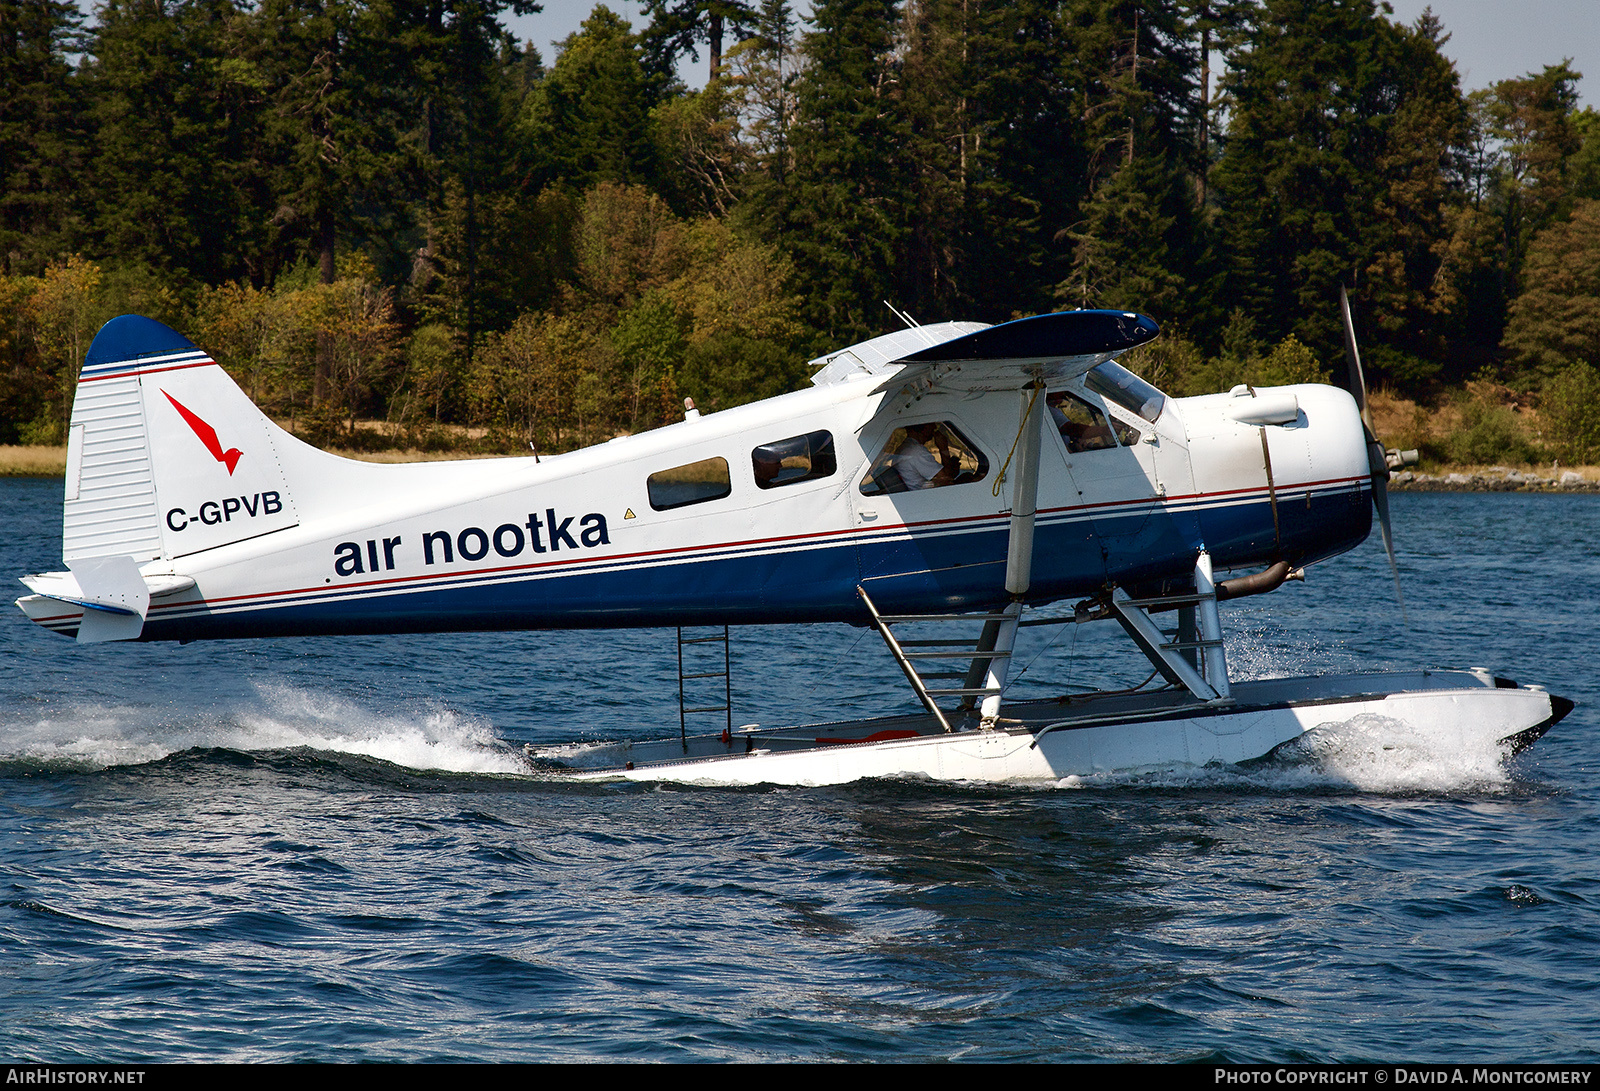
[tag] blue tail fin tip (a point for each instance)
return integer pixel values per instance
(131, 336)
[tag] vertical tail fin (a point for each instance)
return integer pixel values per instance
(166, 456)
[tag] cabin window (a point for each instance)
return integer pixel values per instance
(691, 483)
(924, 456)
(1116, 383)
(793, 460)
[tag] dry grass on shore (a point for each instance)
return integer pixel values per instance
(52, 461)
(33, 461)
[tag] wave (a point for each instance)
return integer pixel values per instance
(95, 735)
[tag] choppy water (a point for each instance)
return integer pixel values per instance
(329, 849)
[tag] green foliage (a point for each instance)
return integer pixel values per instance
(847, 187)
(1171, 363)
(590, 117)
(729, 369)
(44, 135)
(1340, 125)
(677, 26)
(657, 308)
(1555, 322)
(1490, 431)
(1583, 168)
(1569, 409)
(1396, 365)
(1288, 363)
(526, 383)
(494, 258)
(176, 177)
(564, 253)
(1533, 119)
(649, 342)
(433, 374)
(697, 146)
(61, 313)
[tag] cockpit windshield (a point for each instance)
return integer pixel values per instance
(1113, 381)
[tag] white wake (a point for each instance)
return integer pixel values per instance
(100, 734)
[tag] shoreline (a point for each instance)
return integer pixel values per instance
(1498, 479)
(18, 461)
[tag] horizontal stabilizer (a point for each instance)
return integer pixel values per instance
(115, 598)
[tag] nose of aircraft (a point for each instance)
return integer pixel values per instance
(1330, 428)
(1328, 434)
(1305, 448)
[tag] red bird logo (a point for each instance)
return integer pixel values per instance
(208, 436)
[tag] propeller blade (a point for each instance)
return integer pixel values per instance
(1379, 465)
(1358, 381)
(1377, 460)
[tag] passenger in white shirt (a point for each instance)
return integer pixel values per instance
(917, 466)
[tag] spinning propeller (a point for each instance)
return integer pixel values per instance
(1377, 456)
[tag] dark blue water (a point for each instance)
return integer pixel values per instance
(330, 849)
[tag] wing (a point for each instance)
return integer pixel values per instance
(1011, 355)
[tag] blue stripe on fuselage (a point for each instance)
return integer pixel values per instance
(923, 570)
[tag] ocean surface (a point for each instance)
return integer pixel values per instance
(332, 849)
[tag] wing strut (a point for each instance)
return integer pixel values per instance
(1019, 553)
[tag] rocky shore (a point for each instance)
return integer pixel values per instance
(1495, 479)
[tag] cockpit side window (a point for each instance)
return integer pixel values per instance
(1117, 384)
(691, 483)
(1082, 426)
(1085, 427)
(924, 456)
(793, 460)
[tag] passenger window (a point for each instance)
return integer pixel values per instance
(924, 456)
(790, 461)
(693, 483)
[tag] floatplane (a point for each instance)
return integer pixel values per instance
(936, 483)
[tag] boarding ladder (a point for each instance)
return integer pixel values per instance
(978, 679)
(693, 668)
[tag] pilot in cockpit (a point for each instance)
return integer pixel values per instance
(917, 466)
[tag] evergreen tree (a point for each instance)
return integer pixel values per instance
(590, 117)
(1341, 127)
(1136, 243)
(469, 84)
(679, 26)
(43, 136)
(179, 186)
(1532, 119)
(847, 187)
(1555, 322)
(764, 68)
(994, 152)
(332, 138)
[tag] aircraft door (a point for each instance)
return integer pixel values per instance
(927, 522)
(1122, 467)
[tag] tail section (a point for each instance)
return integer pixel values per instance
(166, 456)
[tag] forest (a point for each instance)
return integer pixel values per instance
(395, 224)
